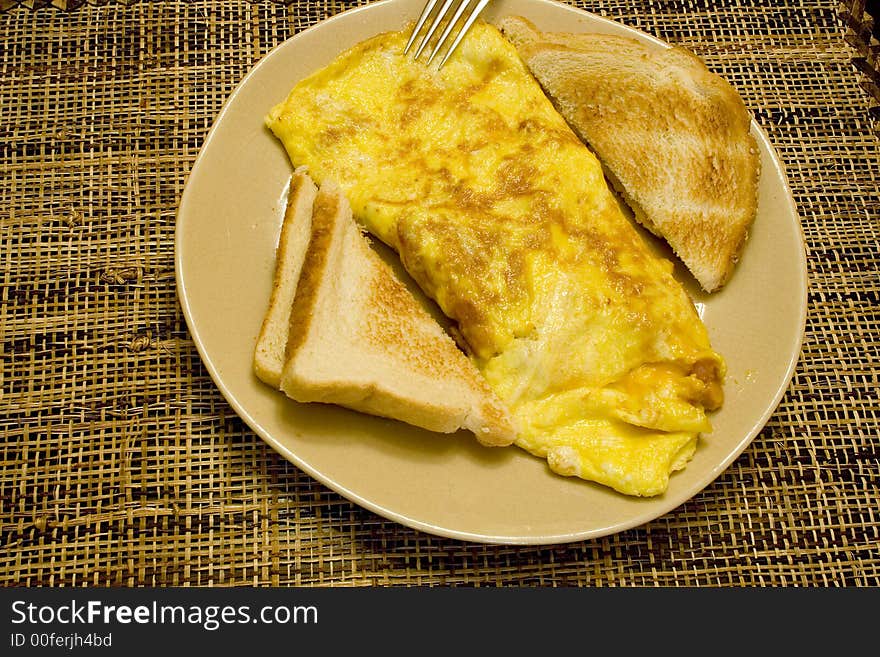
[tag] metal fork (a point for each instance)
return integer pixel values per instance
(438, 19)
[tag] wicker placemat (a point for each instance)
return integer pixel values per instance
(862, 32)
(120, 462)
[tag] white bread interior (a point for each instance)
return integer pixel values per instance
(293, 240)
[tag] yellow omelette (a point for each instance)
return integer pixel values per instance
(503, 216)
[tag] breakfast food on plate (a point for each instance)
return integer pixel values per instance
(296, 229)
(355, 335)
(502, 215)
(673, 136)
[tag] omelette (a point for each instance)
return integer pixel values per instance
(503, 217)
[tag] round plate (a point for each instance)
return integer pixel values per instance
(227, 227)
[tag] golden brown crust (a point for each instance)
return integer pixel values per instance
(295, 227)
(673, 136)
(391, 313)
(324, 217)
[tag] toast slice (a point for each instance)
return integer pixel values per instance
(292, 243)
(357, 337)
(672, 136)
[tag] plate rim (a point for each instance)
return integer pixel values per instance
(638, 520)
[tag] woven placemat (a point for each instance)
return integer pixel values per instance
(120, 462)
(862, 33)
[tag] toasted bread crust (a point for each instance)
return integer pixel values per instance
(358, 338)
(673, 136)
(272, 339)
(324, 217)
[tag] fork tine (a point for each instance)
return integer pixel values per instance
(467, 25)
(425, 13)
(451, 24)
(439, 17)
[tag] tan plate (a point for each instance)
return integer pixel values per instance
(227, 226)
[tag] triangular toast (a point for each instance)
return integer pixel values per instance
(358, 338)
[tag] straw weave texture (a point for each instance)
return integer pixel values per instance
(861, 34)
(121, 463)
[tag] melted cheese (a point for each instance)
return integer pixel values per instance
(503, 216)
